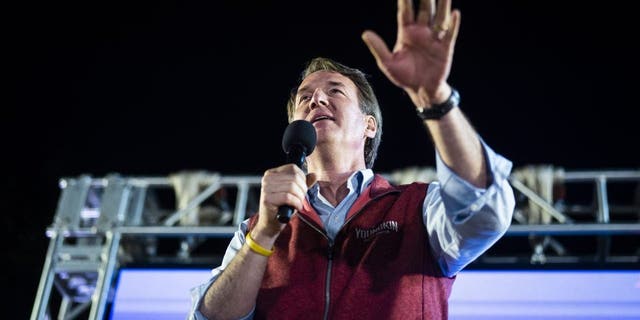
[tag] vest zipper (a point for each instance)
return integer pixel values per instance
(327, 283)
(327, 286)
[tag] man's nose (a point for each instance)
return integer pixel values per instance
(319, 98)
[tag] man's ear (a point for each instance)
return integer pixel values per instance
(372, 127)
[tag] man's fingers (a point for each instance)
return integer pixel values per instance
(425, 12)
(451, 36)
(442, 17)
(285, 179)
(405, 12)
(285, 185)
(376, 45)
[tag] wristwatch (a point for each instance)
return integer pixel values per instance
(437, 111)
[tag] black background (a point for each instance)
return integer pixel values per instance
(149, 89)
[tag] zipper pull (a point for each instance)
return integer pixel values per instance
(330, 251)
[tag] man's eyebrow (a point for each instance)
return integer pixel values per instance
(337, 84)
(331, 83)
(302, 89)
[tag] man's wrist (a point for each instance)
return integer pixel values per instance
(257, 247)
(437, 111)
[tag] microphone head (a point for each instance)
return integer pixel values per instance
(299, 132)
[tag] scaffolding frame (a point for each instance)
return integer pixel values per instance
(95, 214)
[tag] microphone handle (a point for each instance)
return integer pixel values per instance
(284, 214)
(296, 156)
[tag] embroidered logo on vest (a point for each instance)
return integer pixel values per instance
(385, 227)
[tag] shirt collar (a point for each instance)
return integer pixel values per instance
(358, 181)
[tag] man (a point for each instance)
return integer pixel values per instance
(359, 247)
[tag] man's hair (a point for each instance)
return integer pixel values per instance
(366, 98)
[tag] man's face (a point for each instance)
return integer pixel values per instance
(329, 101)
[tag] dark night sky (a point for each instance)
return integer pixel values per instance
(151, 89)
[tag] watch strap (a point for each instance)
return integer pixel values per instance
(437, 111)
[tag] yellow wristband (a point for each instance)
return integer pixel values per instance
(255, 247)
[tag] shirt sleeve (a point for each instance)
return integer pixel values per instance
(463, 221)
(198, 292)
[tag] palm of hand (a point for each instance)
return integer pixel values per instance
(419, 59)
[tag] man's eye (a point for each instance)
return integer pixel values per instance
(305, 98)
(335, 90)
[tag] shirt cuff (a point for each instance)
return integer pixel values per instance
(461, 198)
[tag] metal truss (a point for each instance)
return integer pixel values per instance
(104, 223)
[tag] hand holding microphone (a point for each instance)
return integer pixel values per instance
(298, 142)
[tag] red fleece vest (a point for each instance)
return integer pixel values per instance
(380, 266)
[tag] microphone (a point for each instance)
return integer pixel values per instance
(298, 141)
